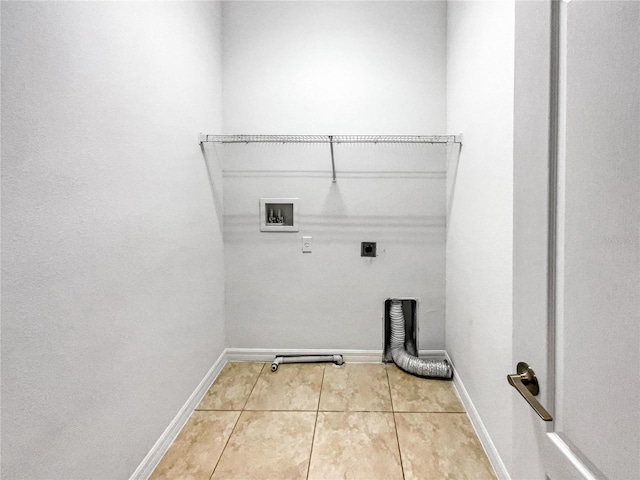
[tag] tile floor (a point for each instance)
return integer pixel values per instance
(320, 422)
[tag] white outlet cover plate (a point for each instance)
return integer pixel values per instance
(307, 244)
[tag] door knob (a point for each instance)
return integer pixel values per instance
(526, 383)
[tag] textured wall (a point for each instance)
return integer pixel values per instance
(112, 265)
(480, 54)
(341, 68)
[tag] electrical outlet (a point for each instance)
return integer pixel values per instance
(368, 249)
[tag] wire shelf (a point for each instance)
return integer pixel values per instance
(331, 138)
(395, 139)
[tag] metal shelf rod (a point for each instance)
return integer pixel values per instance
(333, 162)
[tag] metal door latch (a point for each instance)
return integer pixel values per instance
(526, 383)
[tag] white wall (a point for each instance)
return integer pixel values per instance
(480, 55)
(334, 68)
(112, 265)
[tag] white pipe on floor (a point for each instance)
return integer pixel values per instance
(337, 359)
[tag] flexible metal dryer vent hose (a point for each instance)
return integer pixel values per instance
(407, 362)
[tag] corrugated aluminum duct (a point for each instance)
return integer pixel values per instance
(409, 363)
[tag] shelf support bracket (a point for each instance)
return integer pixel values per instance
(333, 163)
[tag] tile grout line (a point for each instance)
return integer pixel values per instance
(226, 443)
(393, 408)
(428, 411)
(315, 424)
(244, 406)
(355, 411)
(395, 424)
(338, 411)
(283, 410)
(237, 421)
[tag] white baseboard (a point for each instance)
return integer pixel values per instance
(150, 462)
(432, 353)
(268, 354)
(349, 356)
(482, 433)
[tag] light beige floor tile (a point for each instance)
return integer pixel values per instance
(291, 387)
(231, 389)
(355, 445)
(413, 394)
(197, 448)
(359, 387)
(436, 446)
(268, 445)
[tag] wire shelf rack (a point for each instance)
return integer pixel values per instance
(331, 140)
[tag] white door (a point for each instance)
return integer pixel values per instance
(584, 344)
